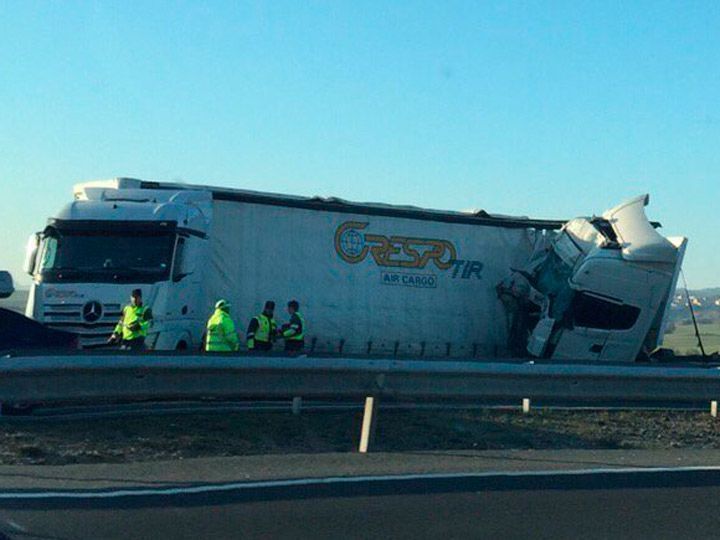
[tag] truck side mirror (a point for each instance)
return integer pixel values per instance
(6, 284)
(31, 251)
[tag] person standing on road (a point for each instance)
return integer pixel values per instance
(294, 332)
(221, 335)
(262, 329)
(132, 328)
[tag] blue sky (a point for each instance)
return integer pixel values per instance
(549, 109)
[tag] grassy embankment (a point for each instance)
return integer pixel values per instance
(683, 341)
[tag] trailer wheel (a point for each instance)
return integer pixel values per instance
(181, 346)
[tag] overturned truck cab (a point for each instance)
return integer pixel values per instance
(600, 289)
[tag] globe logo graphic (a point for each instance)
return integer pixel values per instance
(352, 243)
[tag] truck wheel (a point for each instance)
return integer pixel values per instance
(181, 346)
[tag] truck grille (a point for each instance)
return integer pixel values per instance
(93, 328)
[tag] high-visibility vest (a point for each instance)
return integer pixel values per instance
(299, 334)
(221, 336)
(134, 323)
(266, 328)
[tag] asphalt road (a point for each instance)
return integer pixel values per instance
(659, 503)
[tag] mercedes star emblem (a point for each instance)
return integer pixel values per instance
(92, 311)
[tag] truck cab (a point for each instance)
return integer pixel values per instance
(115, 237)
(603, 287)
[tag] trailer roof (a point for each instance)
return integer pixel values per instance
(334, 204)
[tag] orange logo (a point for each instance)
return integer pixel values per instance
(352, 244)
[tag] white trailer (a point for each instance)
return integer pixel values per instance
(370, 278)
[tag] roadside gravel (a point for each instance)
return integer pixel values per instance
(153, 438)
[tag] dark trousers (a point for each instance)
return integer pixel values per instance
(263, 345)
(294, 345)
(137, 344)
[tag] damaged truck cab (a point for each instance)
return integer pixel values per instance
(602, 287)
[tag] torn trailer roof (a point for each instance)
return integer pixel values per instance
(333, 204)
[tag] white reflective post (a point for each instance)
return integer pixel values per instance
(526, 405)
(713, 409)
(367, 432)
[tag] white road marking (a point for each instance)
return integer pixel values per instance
(233, 486)
(16, 526)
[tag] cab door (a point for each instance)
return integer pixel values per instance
(581, 343)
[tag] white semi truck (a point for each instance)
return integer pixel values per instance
(371, 279)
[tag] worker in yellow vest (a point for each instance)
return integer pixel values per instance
(132, 328)
(221, 335)
(262, 329)
(294, 332)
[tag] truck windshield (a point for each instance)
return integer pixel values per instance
(106, 256)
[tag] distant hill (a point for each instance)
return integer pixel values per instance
(712, 291)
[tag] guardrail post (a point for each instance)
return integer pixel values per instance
(296, 405)
(713, 409)
(367, 433)
(526, 405)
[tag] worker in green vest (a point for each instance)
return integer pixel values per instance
(294, 332)
(221, 335)
(262, 329)
(132, 328)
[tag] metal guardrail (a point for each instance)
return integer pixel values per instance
(90, 378)
(50, 379)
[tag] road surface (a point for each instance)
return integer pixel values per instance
(569, 501)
